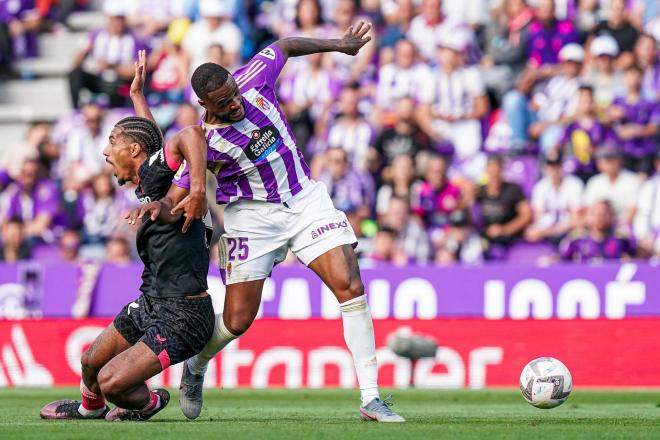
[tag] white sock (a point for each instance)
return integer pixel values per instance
(359, 337)
(219, 340)
(90, 412)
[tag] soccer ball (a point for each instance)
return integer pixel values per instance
(545, 382)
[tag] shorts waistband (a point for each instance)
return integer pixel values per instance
(287, 203)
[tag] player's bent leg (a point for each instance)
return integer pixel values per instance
(92, 404)
(122, 382)
(242, 302)
(338, 269)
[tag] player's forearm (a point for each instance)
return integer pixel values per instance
(140, 106)
(299, 46)
(191, 144)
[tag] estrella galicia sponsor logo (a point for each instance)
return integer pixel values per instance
(316, 233)
(263, 141)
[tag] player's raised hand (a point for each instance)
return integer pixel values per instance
(152, 209)
(355, 37)
(140, 72)
(194, 206)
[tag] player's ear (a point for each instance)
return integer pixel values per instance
(136, 149)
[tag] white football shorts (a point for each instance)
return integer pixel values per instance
(259, 234)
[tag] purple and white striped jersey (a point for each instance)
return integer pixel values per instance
(257, 157)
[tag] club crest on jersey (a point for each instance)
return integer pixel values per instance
(262, 104)
(263, 141)
(268, 53)
(228, 269)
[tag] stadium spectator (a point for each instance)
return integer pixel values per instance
(398, 15)
(101, 211)
(215, 27)
(614, 184)
(105, 65)
(118, 250)
(474, 13)
(458, 242)
(619, 27)
(454, 99)
(646, 225)
(385, 249)
(12, 159)
(404, 137)
(603, 76)
(19, 21)
(13, 246)
(308, 22)
(547, 36)
(598, 241)
(583, 135)
(636, 120)
(398, 182)
(307, 95)
(411, 235)
(69, 245)
(34, 201)
(169, 65)
(646, 56)
(186, 115)
(351, 131)
(502, 209)
(401, 78)
(558, 99)
(435, 197)
(82, 156)
(352, 191)
(351, 70)
(506, 45)
(556, 203)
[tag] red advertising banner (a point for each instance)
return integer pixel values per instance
(472, 353)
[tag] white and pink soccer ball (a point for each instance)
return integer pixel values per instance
(545, 383)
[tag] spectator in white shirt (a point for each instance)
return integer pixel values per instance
(556, 203)
(215, 27)
(454, 99)
(399, 79)
(646, 225)
(614, 184)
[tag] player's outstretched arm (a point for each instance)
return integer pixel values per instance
(351, 43)
(137, 87)
(190, 144)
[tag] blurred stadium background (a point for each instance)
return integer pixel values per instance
(498, 159)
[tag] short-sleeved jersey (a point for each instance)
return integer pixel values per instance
(452, 93)
(175, 264)
(257, 157)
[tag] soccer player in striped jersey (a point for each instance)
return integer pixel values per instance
(272, 206)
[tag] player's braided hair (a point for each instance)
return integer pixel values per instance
(208, 77)
(143, 131)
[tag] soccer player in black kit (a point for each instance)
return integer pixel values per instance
(173, 318)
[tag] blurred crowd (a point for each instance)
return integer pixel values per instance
(467, 131)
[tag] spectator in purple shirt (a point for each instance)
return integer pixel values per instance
(105, 65)
(435, 197)
(598, 241)
(547, 35)
(582, 136)
(34, 201)
(352, 191)
(636, 122)
(19, 20)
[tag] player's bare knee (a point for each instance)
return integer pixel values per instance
(89, 363)
(110, 384)
(237, 324)
(355, 289)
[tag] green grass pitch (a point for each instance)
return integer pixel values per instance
(332, 414)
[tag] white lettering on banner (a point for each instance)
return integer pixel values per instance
(494, 299)
(17, 354)
(534, 293)
(578, 293)
(329, 304)
(76, 344)
(216, 289)
(290, 357)
(294, 300)
(479, 359)
(577, 298)
(623, 292)
(232, 359)
(379, 298)
(339, 357)
(424, 377)
(402, 366)
(415, 293)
